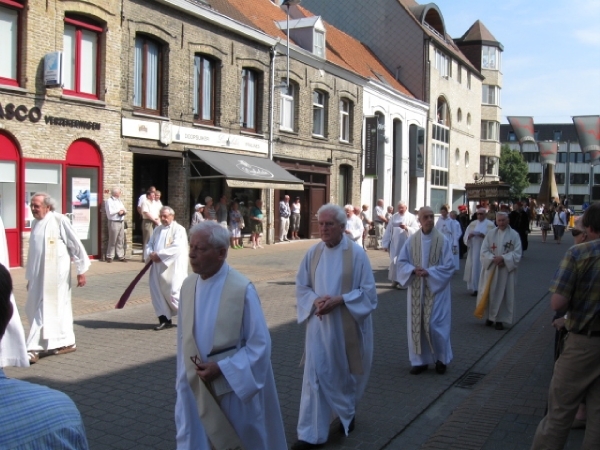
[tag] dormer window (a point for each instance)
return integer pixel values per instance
(319, 44)
(308, 33)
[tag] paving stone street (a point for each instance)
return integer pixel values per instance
(122, 376)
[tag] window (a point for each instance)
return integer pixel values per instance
(579, 178)
(318, 113)
(204, 89)
(10, 15)
(457, 157)
(469, 120)
(466, 159)
(459, 73)
(146, 73)
(490, 130)
(491, 95)
(490, 58)
(439, 155)
(345, 120)
(42, 177)
(531, 157)
(459, 115)
(248, 99)
(344, 185)
(559, 177)
(557, 135)
(469, 80)
(439, 177)
(319, 44)
(512, 136)
(442, 63)
(81, 44)
(286, 120)
(488, 165)
(534, 178)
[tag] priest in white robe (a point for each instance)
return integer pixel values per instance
(336, 295)
(53, 243)
(226, 395)
(473, 238)
(500, 255)
(426, 264)
(401, 226)
(450, 228)
(168, 251)
(13, 351)
(354, 226)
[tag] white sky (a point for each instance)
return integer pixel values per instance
(551, 58)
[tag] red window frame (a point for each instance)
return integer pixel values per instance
(11, 4)
(79, 25)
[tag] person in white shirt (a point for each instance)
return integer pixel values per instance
(150, 218)
(354, 226)
(400, 227)
(379, 221)
(115, 214)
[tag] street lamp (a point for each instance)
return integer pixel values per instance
(288, 3)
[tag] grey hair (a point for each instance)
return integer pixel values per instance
(48, 201)
(502, 213)
(218, 237)
(402, 202)
(338, 212)
(115, 189)
(168, 209)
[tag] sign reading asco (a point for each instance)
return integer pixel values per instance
(20, 112)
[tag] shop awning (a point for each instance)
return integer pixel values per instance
(250, 171)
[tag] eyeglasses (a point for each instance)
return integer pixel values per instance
(576, 232)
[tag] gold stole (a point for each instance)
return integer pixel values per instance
(51, 310)
(219, 430)
(351, 336)
(435, 253)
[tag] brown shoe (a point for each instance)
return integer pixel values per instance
(65, 350)
(109, 260)
(33, 357)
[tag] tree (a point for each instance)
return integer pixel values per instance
(513, 170)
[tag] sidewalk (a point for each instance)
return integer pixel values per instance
(122, 375)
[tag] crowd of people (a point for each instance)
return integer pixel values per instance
(226, 394)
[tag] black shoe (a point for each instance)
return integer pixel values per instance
(350, 427)
(416, 370)
(440, 367)
(109, 260)
(474, 294)
(499, 326)
(489, 323)
(163, 326)
(303, 445)
(123, 260)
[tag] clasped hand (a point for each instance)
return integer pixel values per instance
(326, 304)
(499, 261)
(420, 272)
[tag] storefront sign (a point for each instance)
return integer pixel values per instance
(20, 112)
(487, 191)
(371, 142)
(143, 129)
(71, 123)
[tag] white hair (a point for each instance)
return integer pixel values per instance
(338, 213)
(48, 201)
(168, 209)
(114, 190)
(218, 237)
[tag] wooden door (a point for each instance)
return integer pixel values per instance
(316, 199)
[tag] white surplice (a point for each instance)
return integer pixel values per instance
(48, 306)
(329, 390)
(253, 406)
(355, 226)
(450, 228)
(13, 351)
(395, 237)
(473, 264)
(439, 284)
(166, 277)
(502, 289)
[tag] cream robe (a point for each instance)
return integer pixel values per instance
(253, 406)
(394, 238)
(451, 229)
(329, 390)
(48, 306)
(166, 277)
(13, 351)
(502, 292)
(439, 284)
(473, 265)
(355, 226)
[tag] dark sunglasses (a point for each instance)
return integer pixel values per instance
(575, 232)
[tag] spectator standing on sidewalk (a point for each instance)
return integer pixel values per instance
(222, 211)
(296, 218)
(52, 245)
(365, 218)
(256, 224)
(379, 222)
(559, 223)
(115, 214)
(576, 292)
(284, 218)
(226, 395)
(336, 295)
(198, 216)
(167, 249)
(426, 266)
(150, 220)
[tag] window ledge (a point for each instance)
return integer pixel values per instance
(288, 131)
(208, 127)
(88, 101)
(319, 137)
(13, 89)
(250, 133)
(149, 116)
(342, 141)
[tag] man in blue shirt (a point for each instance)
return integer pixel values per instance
(32, 416)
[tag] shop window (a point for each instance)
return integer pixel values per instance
(319, 109)
(204, 89)
(81, 50)
(8, 193)
(248, 100)
(344, 120)
(147, 69)
(10, 22)
(40, 177)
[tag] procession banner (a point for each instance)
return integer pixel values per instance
(548, 152)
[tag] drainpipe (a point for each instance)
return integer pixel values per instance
(269, 200)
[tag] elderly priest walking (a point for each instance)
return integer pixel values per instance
(226, 396)
(167, 249)
(426, 264)
(336, 295)
(52, 246)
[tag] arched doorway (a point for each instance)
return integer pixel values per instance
(83, 192)
(9, 197)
